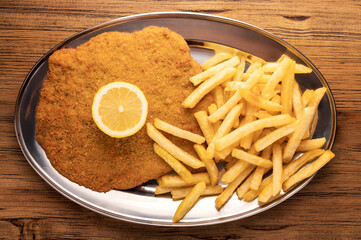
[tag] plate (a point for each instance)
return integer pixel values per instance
(140, 205)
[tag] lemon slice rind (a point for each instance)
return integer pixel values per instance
(96, 105)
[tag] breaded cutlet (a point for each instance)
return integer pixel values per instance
(156, 60)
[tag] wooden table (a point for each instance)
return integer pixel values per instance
(328, 32)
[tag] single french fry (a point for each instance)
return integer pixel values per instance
(277, 77)
(244, 187)
(233, 86)
(283, 56)
(177, 166)
(234, 171)
(211, 109)
(216, 59)
(287, 89)
(228, 122)
(260, 101)
(229, 190)
(308, 145)
(307, 96)
(276, 98)
(266, 77)
(247, 140)
(205, 126)
(277, 168)
(289, 170)
(189, 201)
(172, 180)
(253, 194)
(209, 73)
(162, 190)
(295, 165)
(272, 66)
(317, 97)
(252, 159)
(249, 128)
(240, 71)
(252, 68)
(273, 95)
(229, 164)
(296, 137)
(227, 151)
(262, 114)
(172, 149)
(260, 171)
(253, 79)
(225, 108)
(312, 129)
(209, 163)
(309, 170)
(274, 136)
(178, 194)
(207, 86)
(253, 58)
(218, 96)
(178, 132)
(297, 101)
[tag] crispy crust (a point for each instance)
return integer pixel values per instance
(155, 59)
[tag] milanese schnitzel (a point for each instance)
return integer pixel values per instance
(156, 60)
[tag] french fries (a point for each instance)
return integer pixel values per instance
(205, 126)
(181, 193)
(296, 137)
(309, 170)
(189, 201)
(277, 77)
(219, 57)
(249, 128)
(177, 166)
(209, 163)
(214, 70)
(260, 101)
(172, 149)
(260, 171)
(259, 121)
(175, 181)
(250, 158)
(308, 145)
(272, 66)
(227, 193)
(208, 86)
(225, 108)
(166, 127)
(277, 168)
(266, 194)
(275, 135)
(287, 89)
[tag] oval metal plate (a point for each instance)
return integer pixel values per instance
(140, 205)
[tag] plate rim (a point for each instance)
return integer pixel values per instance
(154, 15)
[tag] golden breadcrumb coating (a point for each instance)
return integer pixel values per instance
(156, 60)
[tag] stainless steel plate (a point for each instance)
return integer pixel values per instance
(140, 205)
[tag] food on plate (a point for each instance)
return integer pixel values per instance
(158, 62)
(259, 122)
(241, 112)
(119, 109)
(189, 201)
(166, 127)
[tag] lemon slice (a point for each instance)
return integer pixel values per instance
(119, 109)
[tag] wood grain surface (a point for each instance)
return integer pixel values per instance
(328, 32)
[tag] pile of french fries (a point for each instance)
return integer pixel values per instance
(259, 122)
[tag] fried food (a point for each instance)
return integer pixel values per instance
(156, 60)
